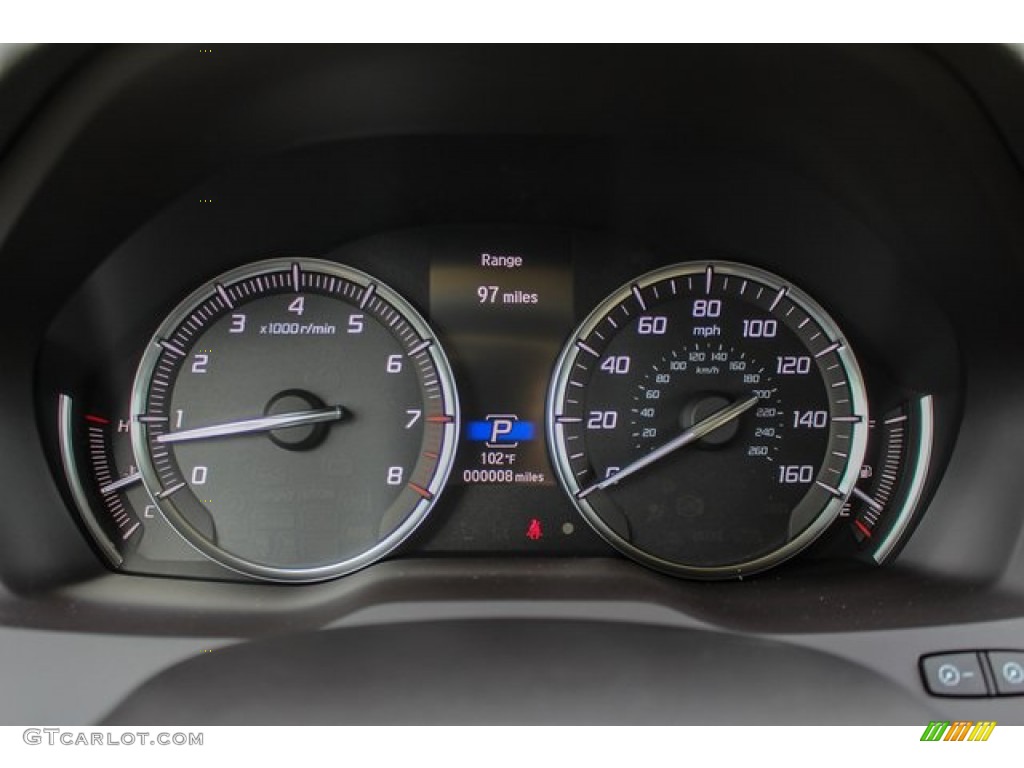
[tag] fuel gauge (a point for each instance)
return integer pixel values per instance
(884, 502)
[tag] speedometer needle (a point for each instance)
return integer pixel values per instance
(262, 424)
(691, 435)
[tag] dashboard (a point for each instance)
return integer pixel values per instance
(381, 364)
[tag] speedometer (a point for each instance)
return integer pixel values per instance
(708, 419)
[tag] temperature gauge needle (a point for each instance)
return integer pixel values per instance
(691, 435)
(261, 424)
(124, 482)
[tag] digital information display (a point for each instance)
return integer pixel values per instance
(504, 309)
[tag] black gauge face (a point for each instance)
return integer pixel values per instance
(708, 419)
(294, 420)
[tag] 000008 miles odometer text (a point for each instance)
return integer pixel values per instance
(708, 419)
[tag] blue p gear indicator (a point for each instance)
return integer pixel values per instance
(500, 430)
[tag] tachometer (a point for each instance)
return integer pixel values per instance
(294, 420)
(708, 419)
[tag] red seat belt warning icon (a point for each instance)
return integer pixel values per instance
(534, 531)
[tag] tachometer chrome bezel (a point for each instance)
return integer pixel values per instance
(408, 525)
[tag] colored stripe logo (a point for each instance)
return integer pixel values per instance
(959, 730)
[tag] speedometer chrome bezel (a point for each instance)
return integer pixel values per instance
(409, 524)
(568, 359)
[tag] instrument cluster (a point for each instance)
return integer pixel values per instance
(470, 389)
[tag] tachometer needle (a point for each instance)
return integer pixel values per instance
(262, 424)
(691, 435)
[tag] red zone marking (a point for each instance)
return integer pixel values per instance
(863, 528)
(421, 491)
(96, 419)
(440, 419)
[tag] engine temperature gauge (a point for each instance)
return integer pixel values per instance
(107, 489)
(121, 516)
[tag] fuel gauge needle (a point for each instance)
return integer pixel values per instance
(693, 434)
(261, 424)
